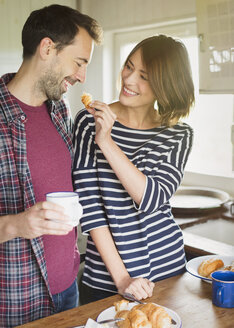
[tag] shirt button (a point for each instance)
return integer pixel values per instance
(22, 117)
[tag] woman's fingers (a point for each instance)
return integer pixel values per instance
(141, 288)
(102, 107)
(91, 111)
(104, 121)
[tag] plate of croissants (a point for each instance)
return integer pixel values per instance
(147, 315)
(202, 266)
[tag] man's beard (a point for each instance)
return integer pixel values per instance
(50, 84)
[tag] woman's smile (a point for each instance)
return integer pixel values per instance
(128, 92)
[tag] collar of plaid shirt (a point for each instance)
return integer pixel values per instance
(24, 278)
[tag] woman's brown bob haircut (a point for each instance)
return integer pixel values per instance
(167, 64)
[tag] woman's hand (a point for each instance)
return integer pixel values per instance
(141, 288)
(104, 120)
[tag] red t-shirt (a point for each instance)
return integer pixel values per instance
(50, 166)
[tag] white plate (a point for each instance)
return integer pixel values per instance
(110, 312)
(192, 265)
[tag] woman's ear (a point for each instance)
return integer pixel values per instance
(46, 47)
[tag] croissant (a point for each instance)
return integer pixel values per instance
(86, 99)
(228, 268)
(121, 305)
(160, 318)
(209, 266)
(147, 308)
(163, 320)
(138, 319)
(147, 315)
(157, 315)
(123, 314)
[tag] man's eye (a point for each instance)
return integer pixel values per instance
(78, 64)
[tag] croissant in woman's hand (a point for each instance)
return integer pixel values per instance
(86, 99)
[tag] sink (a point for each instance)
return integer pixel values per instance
(218, 229)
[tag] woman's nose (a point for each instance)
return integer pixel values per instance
(130, 78)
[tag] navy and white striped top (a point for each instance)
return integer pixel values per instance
(148, 240)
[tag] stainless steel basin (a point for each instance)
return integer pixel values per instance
(218, 229)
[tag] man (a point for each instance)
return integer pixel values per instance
(39, 260)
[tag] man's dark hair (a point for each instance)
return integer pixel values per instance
(60, 24)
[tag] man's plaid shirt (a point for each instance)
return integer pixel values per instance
(24, 292)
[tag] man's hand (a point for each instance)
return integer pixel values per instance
(44, 218)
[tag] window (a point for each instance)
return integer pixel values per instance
(212, 116)
(216, 33)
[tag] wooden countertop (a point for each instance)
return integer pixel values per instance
(188, 296)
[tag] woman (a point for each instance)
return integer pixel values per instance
(129, 161)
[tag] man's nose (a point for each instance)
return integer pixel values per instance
(81, 75)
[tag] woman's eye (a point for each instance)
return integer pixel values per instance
(144, 78)
(128, 66)
(78, 64)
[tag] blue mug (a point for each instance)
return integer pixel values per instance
(223, 288)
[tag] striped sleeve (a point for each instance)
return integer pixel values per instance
(168, 176)
(85, 178)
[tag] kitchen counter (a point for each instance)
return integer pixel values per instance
(188, 296)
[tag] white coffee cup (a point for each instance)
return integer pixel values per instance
(70, 201)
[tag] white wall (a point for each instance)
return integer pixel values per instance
(13, 14)
(115, 14)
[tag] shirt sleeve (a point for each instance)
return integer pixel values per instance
(162, 182)
(85, 178)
